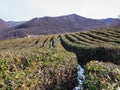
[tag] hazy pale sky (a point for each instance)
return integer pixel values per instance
(18, 10)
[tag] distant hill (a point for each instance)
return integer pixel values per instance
(3, 24)
(55, 25)
(13, 23)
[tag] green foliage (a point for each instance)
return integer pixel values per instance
(101, 76)
(25, 65)
(101, 45)
(106, 49)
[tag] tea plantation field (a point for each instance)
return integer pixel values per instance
(50, 62)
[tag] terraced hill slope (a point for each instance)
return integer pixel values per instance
(44, 62)
(97, 51)
(101, 45)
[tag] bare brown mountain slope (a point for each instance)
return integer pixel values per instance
(53, 25)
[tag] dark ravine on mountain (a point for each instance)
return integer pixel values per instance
(53, 25)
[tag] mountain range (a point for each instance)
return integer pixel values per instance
(54, 25)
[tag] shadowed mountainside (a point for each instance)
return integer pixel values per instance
(3, 24)
(14, 23)
(54, 25)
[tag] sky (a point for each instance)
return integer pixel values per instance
(22, 10)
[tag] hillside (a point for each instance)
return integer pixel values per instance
(50, 62)
(3, 24)
(56, 25)
(14, 23)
